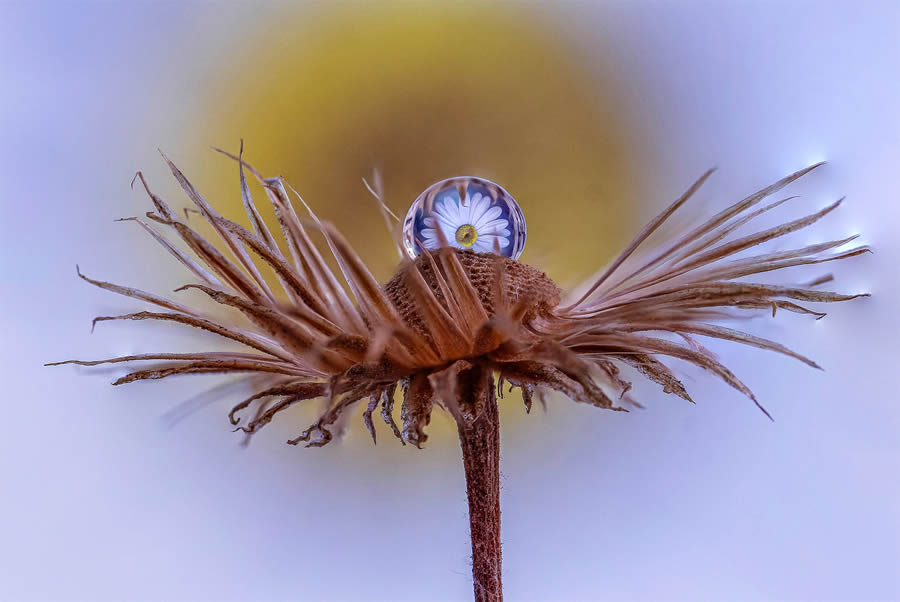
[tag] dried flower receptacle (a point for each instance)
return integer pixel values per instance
(452, 320)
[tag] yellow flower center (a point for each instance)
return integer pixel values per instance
(466, 235)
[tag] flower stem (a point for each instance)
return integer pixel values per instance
(478, 425)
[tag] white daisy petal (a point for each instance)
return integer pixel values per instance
(473, 208)
(494, 224)
(462, 209)
(439, 216)
(442, 217)
(500, 243)
(490, 215)
(449, 227)
(438, 206)
(465, 209)
(479, 208)
(503, 232)
(482, 245)
(446, 208)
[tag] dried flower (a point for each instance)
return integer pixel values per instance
(452, 319)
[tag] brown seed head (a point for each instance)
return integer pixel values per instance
(497, 280)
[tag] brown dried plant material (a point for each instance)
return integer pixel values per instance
(448, 322)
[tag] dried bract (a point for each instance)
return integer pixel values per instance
(451, 312)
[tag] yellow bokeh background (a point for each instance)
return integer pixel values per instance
(423, 92)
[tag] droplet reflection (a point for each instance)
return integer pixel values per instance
(465, 213)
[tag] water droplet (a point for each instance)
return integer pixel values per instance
(465, 213)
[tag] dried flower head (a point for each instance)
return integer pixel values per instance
(451, 320)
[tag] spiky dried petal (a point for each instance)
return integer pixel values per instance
(449, 318)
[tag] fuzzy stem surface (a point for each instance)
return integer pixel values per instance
(479, 437)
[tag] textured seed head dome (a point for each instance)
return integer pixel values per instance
(520, 282)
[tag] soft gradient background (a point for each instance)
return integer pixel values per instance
(594, 116)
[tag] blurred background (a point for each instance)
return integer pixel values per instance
(594, 116)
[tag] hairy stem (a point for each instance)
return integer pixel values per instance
(479, 437)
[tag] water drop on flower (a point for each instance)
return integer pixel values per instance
(465, 213)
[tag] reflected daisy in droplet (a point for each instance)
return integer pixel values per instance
(475, 223)
(468, 214)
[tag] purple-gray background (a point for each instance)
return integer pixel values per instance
(101, 501)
